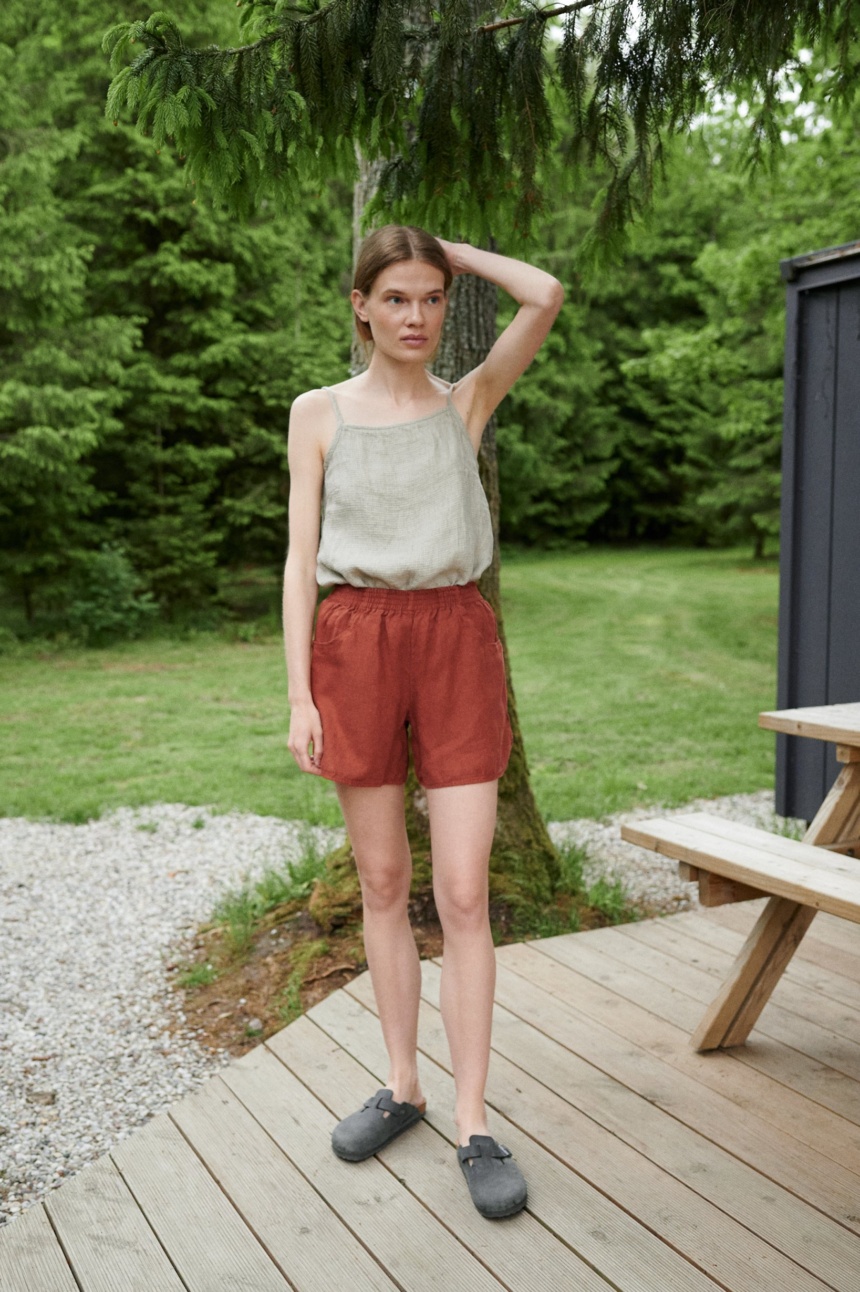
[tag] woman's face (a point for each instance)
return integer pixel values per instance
(405, 309)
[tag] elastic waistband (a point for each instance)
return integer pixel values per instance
(395, 599)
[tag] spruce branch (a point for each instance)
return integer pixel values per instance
(457, 111)
(537, 15)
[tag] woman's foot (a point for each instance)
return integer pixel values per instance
(495, 1182)
(377, 1122)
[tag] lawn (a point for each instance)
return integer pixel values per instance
(638, 677)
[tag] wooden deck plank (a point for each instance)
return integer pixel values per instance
(790, 1065)
(415, 1250)
(673, 956)
(522, 1253)
(107, 1239)
(31, 1258)
(671, 1076)
(650, 1168)
(809, 982)
(586, 1064)
(819, 947)
(715, 947)
(840, 932)
(207, 1241)
(680, 953)
(287, 1215)
(792, 1111)
(547, 1109)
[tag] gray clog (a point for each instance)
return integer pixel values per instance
(365, 1132)
(495, 1181)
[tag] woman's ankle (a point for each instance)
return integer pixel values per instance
(471, 1120)
(406, 1089)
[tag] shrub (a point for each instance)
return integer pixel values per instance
(108, 603)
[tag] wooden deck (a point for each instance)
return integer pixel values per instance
(650, 1168)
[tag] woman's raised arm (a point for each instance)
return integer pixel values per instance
(540, 297)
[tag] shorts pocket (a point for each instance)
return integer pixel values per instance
(333, 622)
(481, 621)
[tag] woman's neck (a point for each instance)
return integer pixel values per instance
(397, 384)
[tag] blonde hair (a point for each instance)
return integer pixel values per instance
(390, 245)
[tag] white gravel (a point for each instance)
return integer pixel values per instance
(650, 881)
(91, 915)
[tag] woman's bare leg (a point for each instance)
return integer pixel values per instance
(375, 822)
(462, 822)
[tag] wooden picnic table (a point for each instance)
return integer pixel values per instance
(736, 863)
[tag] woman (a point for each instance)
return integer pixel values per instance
(386, 504)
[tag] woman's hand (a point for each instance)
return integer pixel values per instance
(453, 254)
(305, 741)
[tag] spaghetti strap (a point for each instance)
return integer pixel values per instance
(334, 405)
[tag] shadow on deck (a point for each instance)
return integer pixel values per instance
(650, 1168)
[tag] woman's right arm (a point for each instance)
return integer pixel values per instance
(300, 585)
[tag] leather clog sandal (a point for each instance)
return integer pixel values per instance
(365, 1132)
(495, 1181)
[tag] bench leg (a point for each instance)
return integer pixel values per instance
(777, 934)
(778, 931)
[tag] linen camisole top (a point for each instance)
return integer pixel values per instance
(403, 505)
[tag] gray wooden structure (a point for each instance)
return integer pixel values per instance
(819, 619)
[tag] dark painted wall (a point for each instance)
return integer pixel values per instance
(819, 631)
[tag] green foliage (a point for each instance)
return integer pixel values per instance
(556, 439)
(456, 103)
(691, 329)
(610, 899)
(106, 602)
(240, 912)
(149, 348)
(198, 975)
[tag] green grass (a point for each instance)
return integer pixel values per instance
(638, 674)
(241, 910)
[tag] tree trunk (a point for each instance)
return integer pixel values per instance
(524, 868)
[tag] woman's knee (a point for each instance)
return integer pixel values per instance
(385, 883)
(463, 905)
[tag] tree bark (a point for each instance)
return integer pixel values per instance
(524, 867)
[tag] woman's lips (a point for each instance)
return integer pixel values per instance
(414, 340)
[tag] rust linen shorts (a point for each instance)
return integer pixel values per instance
(429, 663)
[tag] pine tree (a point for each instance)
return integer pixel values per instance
(150, 347)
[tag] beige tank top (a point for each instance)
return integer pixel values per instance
(403, 506)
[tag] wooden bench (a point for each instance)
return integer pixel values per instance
(733, 862)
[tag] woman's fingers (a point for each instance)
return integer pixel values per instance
(316, 744)
(305, 743)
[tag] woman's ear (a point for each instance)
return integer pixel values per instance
(358, 304)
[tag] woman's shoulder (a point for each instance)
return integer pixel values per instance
(313, 420)
(311, 400)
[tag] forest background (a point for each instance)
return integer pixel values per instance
(150, 349)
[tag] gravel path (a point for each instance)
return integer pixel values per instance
(89, 917)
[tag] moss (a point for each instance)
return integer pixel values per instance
(336, 897)
(303, 957)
